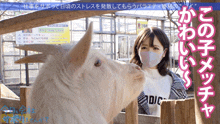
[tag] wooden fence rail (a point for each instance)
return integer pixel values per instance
(180, 111)
(172, 111)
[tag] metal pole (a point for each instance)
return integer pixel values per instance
(26, 70)
(115, 43)
(111, 26)
(1, 61)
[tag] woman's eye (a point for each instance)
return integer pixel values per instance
(155, 48)
(144, 48)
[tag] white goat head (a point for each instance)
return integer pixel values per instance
(79, 85)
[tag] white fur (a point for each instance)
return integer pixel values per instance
(68, 93)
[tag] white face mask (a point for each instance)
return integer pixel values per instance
(150, 59)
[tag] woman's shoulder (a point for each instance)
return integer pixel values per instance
(178, 83)
(178, 90)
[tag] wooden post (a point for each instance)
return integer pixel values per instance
(177, 111)
(184, 112)
(167, 112)
(131, 113)
(192, 117)
(200, 116)
(24, 96)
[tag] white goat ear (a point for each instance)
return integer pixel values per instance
(78, 54)
(37, 58)
(44, 48)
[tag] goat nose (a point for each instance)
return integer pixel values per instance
(138, 67)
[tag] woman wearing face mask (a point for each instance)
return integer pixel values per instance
(151, 53)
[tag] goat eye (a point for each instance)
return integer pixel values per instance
(98, 63)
